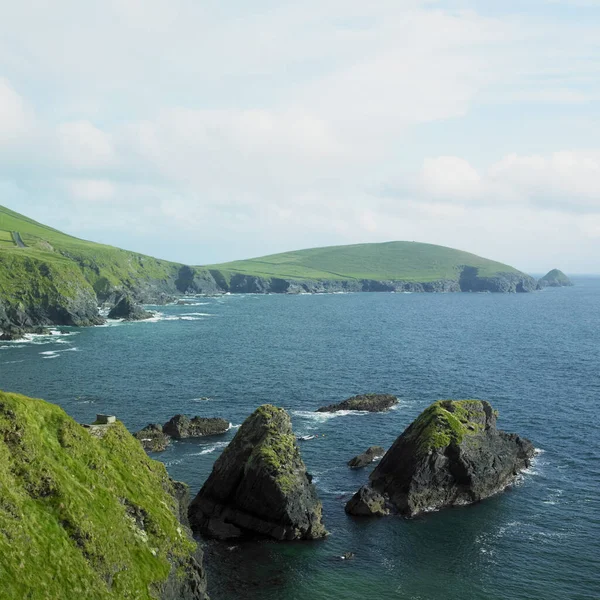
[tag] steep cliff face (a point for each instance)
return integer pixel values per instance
(451, 454)
(84, 513)
(259, 485)
(36, 292)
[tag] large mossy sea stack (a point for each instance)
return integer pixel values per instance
(259, 485)
(452, 454)
(84, 513)
(363, 402)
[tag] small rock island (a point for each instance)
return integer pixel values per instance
(259, 485)
(452, 454)
(126, 308)
(555, 278)
(364, 402)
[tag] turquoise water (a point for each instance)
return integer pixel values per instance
(536, 357)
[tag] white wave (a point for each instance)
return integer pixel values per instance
(190, 319)
(49, 352)
(197, 314)
(13, 362)
(201, 399)
(234, 426)
(326, 416)
(12, 346)
(210, 449)
(52, 356)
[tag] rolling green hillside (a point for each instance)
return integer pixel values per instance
(399, 261)
(104, 267)
(85, 513)
(48, 277)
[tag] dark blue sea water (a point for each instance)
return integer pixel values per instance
(536, 357)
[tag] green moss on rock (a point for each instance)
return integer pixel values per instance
(82, 516)
(446, 422)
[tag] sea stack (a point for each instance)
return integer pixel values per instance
(125, 308)
(259, 485)
(452, 454)
(555, 278)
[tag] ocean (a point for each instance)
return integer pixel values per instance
(535, 357)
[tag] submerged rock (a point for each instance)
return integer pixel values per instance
(259, 485)
(555, 278)
(180, 427)
(153, 438)
(366, 402)
(127, 309)
(451, 454)
(367, 457)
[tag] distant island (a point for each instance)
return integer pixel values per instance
(555, 278)
(51, 278)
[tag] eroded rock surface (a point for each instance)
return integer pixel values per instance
(259, 485)
(452, 454)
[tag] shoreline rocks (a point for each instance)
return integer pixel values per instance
(259, 485)
(181, 426)
(452, 454)
(367, 457)
(152, 438)
(364, 402)
(125, 308)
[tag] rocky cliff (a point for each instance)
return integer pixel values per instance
(84, 513)
(259, 485)
(452, 454)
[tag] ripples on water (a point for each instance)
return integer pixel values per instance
(536, 357)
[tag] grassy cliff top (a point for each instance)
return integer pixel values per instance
(406, 261)
(448, 421)
(81, 516)
(103, 266)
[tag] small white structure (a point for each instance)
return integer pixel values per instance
(105, 419)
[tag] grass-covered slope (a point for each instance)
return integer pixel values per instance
(104, 267)
(406, 261)
(83, 516)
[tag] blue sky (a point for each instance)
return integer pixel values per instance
(209, 131)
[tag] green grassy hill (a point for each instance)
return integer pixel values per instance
(86, 514)
(400, 261)
(104, 267)
(48, 277)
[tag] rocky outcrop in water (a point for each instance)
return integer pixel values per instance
(364, 402)
(180, 427)
(452, 454)
(259, 485)
(127, 309)
(367, 457)
(153, 438)
(555, 278)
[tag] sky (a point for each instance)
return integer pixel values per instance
(203, 131)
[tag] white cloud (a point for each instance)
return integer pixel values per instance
(90, 189)
(84, 146)
(15, 117)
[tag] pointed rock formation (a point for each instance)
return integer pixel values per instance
(451, 454)
(259, 485)
(555, 278)
(127, 309)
